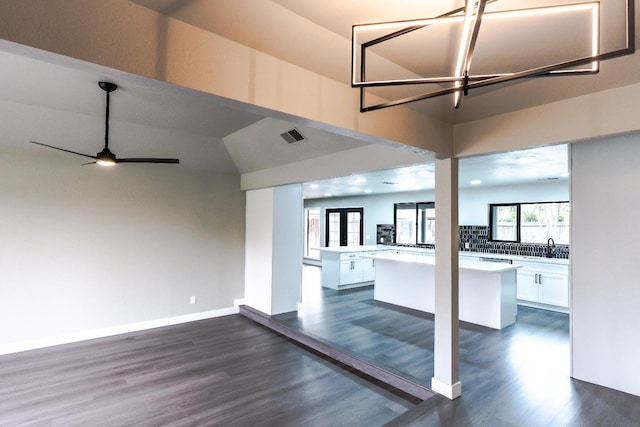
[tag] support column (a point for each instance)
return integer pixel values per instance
(446, 360)
(273, 250)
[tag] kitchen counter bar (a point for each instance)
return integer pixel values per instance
(487, 291)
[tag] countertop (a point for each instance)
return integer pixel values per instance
(349, 249)
(422, 252)
(489, 267)
(519, 258)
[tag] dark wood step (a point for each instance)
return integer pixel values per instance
(339, 354)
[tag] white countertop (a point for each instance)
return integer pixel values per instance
(489, 267)
(427, 252)
(518, 258)
(349, 249)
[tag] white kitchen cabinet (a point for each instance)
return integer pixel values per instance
(527, 285)
(343, 270)
(554, 289)
(368, 270)
(351, 271)
(544, 285)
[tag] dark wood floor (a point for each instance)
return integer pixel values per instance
(232, 372)
(518, 376)
(221, 372)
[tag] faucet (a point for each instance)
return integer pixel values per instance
(551, 246)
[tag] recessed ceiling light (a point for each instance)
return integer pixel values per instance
(314, 186)
(526, 159)
(475, 182)
(368, 191)
(327, 194)
(360, 180)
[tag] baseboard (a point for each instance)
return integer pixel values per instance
(452, 391)
(21, 346)
(547, 307)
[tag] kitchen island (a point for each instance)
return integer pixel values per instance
(343, 267)
(487, 290)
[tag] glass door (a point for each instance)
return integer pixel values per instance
(312, 233)
(344, 227)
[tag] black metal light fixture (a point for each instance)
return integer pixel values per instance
(381, 43)
(106, 157)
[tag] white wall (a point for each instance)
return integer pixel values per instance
(287, 248)
(259, 248)
(473, 203)
(378, 209)
(604, 256)
(85, 248)
(273, 271)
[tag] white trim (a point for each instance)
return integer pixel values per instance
(114, 330)
(451, 391)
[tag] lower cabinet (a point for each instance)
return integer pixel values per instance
(356, 270)
(368, 269)
(544, 283)
(350, 271)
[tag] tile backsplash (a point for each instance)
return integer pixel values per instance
(477, 236)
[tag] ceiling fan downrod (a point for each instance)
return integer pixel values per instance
(108, 87)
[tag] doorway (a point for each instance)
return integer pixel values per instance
(344, 227)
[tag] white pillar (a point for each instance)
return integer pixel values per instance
(273, 250)
(446, 372)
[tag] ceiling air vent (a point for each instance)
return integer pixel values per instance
(294, 135)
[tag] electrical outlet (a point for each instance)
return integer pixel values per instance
(466, 245)
(192, 300)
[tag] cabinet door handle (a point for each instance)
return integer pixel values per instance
(540, 278)
(536, 278)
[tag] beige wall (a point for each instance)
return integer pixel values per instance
(84, 247)
(572, 120)
(128, 37)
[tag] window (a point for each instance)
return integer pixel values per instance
(530, 222)
(312, 233)
(426, 223)
(503, 220)
(344, 227)
(405, 223)
(414, 223)
(541, 221)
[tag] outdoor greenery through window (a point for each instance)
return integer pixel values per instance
(503, 220)
(415, 223)
(530, 222)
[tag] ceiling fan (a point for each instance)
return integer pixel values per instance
(106, 157)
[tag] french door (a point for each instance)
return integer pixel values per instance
(344, 227)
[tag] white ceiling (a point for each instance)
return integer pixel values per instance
(517, 167)
(314, 35)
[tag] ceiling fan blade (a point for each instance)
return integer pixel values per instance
(65, 150)
(147, 160)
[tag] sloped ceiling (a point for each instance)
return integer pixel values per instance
(313, 35)
(317, 36)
